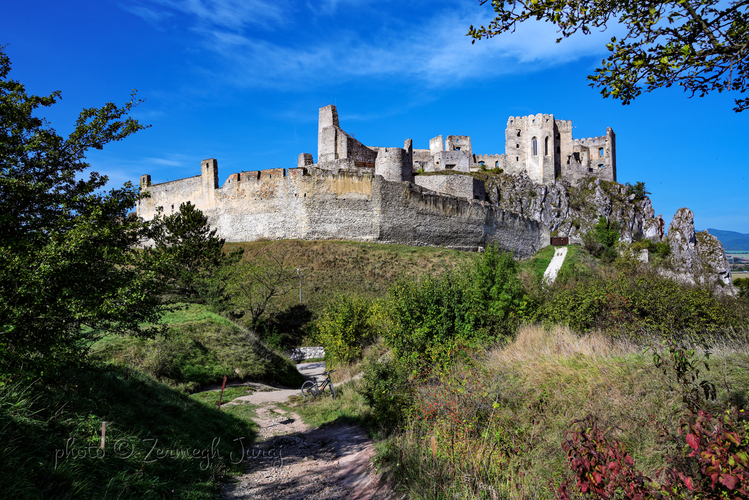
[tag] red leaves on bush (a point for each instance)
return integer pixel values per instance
(720, 447)
(603, 468)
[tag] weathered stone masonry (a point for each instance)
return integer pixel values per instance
(316, 204)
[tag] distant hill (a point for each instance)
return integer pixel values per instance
(731, 240)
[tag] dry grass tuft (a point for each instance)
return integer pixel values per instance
(535, 342)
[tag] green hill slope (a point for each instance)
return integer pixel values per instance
(200, 348)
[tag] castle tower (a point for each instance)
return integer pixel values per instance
(329, 135)
(395, 164)
(209, 181)
(532, 145)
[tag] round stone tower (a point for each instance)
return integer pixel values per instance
(394, 165)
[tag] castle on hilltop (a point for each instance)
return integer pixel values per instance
(538, 145)
(390, 194)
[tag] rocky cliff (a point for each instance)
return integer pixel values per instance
(697, 257)
(572, 210)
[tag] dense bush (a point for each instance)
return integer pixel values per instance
(433, 320)
(633, 303)
(388, 390)
(346, 327)
(601, 240)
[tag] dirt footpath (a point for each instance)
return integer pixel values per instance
(292, 461)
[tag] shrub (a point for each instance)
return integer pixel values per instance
(743, 285)
(601, 240)
(346, 327)
(387, 390)
(633, 303)
(436, 319)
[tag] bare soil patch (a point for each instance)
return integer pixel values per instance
(292, 461)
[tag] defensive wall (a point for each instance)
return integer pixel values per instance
(312, 204)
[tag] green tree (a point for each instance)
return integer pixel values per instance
(496, 295)
(187, 252)
(638, 189)
(67, 266)
(702, 45)
(254, 284)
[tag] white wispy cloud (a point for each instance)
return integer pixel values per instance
(433, 51)
(227, 14)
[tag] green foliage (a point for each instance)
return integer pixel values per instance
(743, 285)
(601, 240)
(437, 319)
(496, 298)
(627, 304)
(68, 265)
(638, 190)
(186, 252)
(346, 327)
(658, 248)
(255, 283)
(698, 46)
(388, 391)
(159, 443)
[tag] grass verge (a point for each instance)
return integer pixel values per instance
(159, 443)
(200, 349)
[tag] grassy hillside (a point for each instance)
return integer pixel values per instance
(200, 348)
(332, 268)
(159, 442)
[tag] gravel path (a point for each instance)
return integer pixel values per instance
(555, 265)
(292, 461)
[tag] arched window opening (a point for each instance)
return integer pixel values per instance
(600, 165)
(518, 132)
(534, 146)
(546, 146)
(496, 164)
(600, 151)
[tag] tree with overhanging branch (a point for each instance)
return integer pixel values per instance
(69, 269)
(700, 45)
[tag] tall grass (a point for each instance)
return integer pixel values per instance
(498, 420)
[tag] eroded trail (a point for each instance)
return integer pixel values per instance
(292, 461)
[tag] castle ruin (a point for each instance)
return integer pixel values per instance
(390, 194)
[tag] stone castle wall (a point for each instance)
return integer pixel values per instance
(316, 204)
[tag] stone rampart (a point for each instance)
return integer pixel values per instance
(303, 204)
(463, 186)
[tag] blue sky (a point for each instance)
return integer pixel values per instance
(242, 81)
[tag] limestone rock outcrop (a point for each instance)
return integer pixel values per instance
(572, 210)
(697, 257)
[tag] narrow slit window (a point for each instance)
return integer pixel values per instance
(546, 146)
(534, 146)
